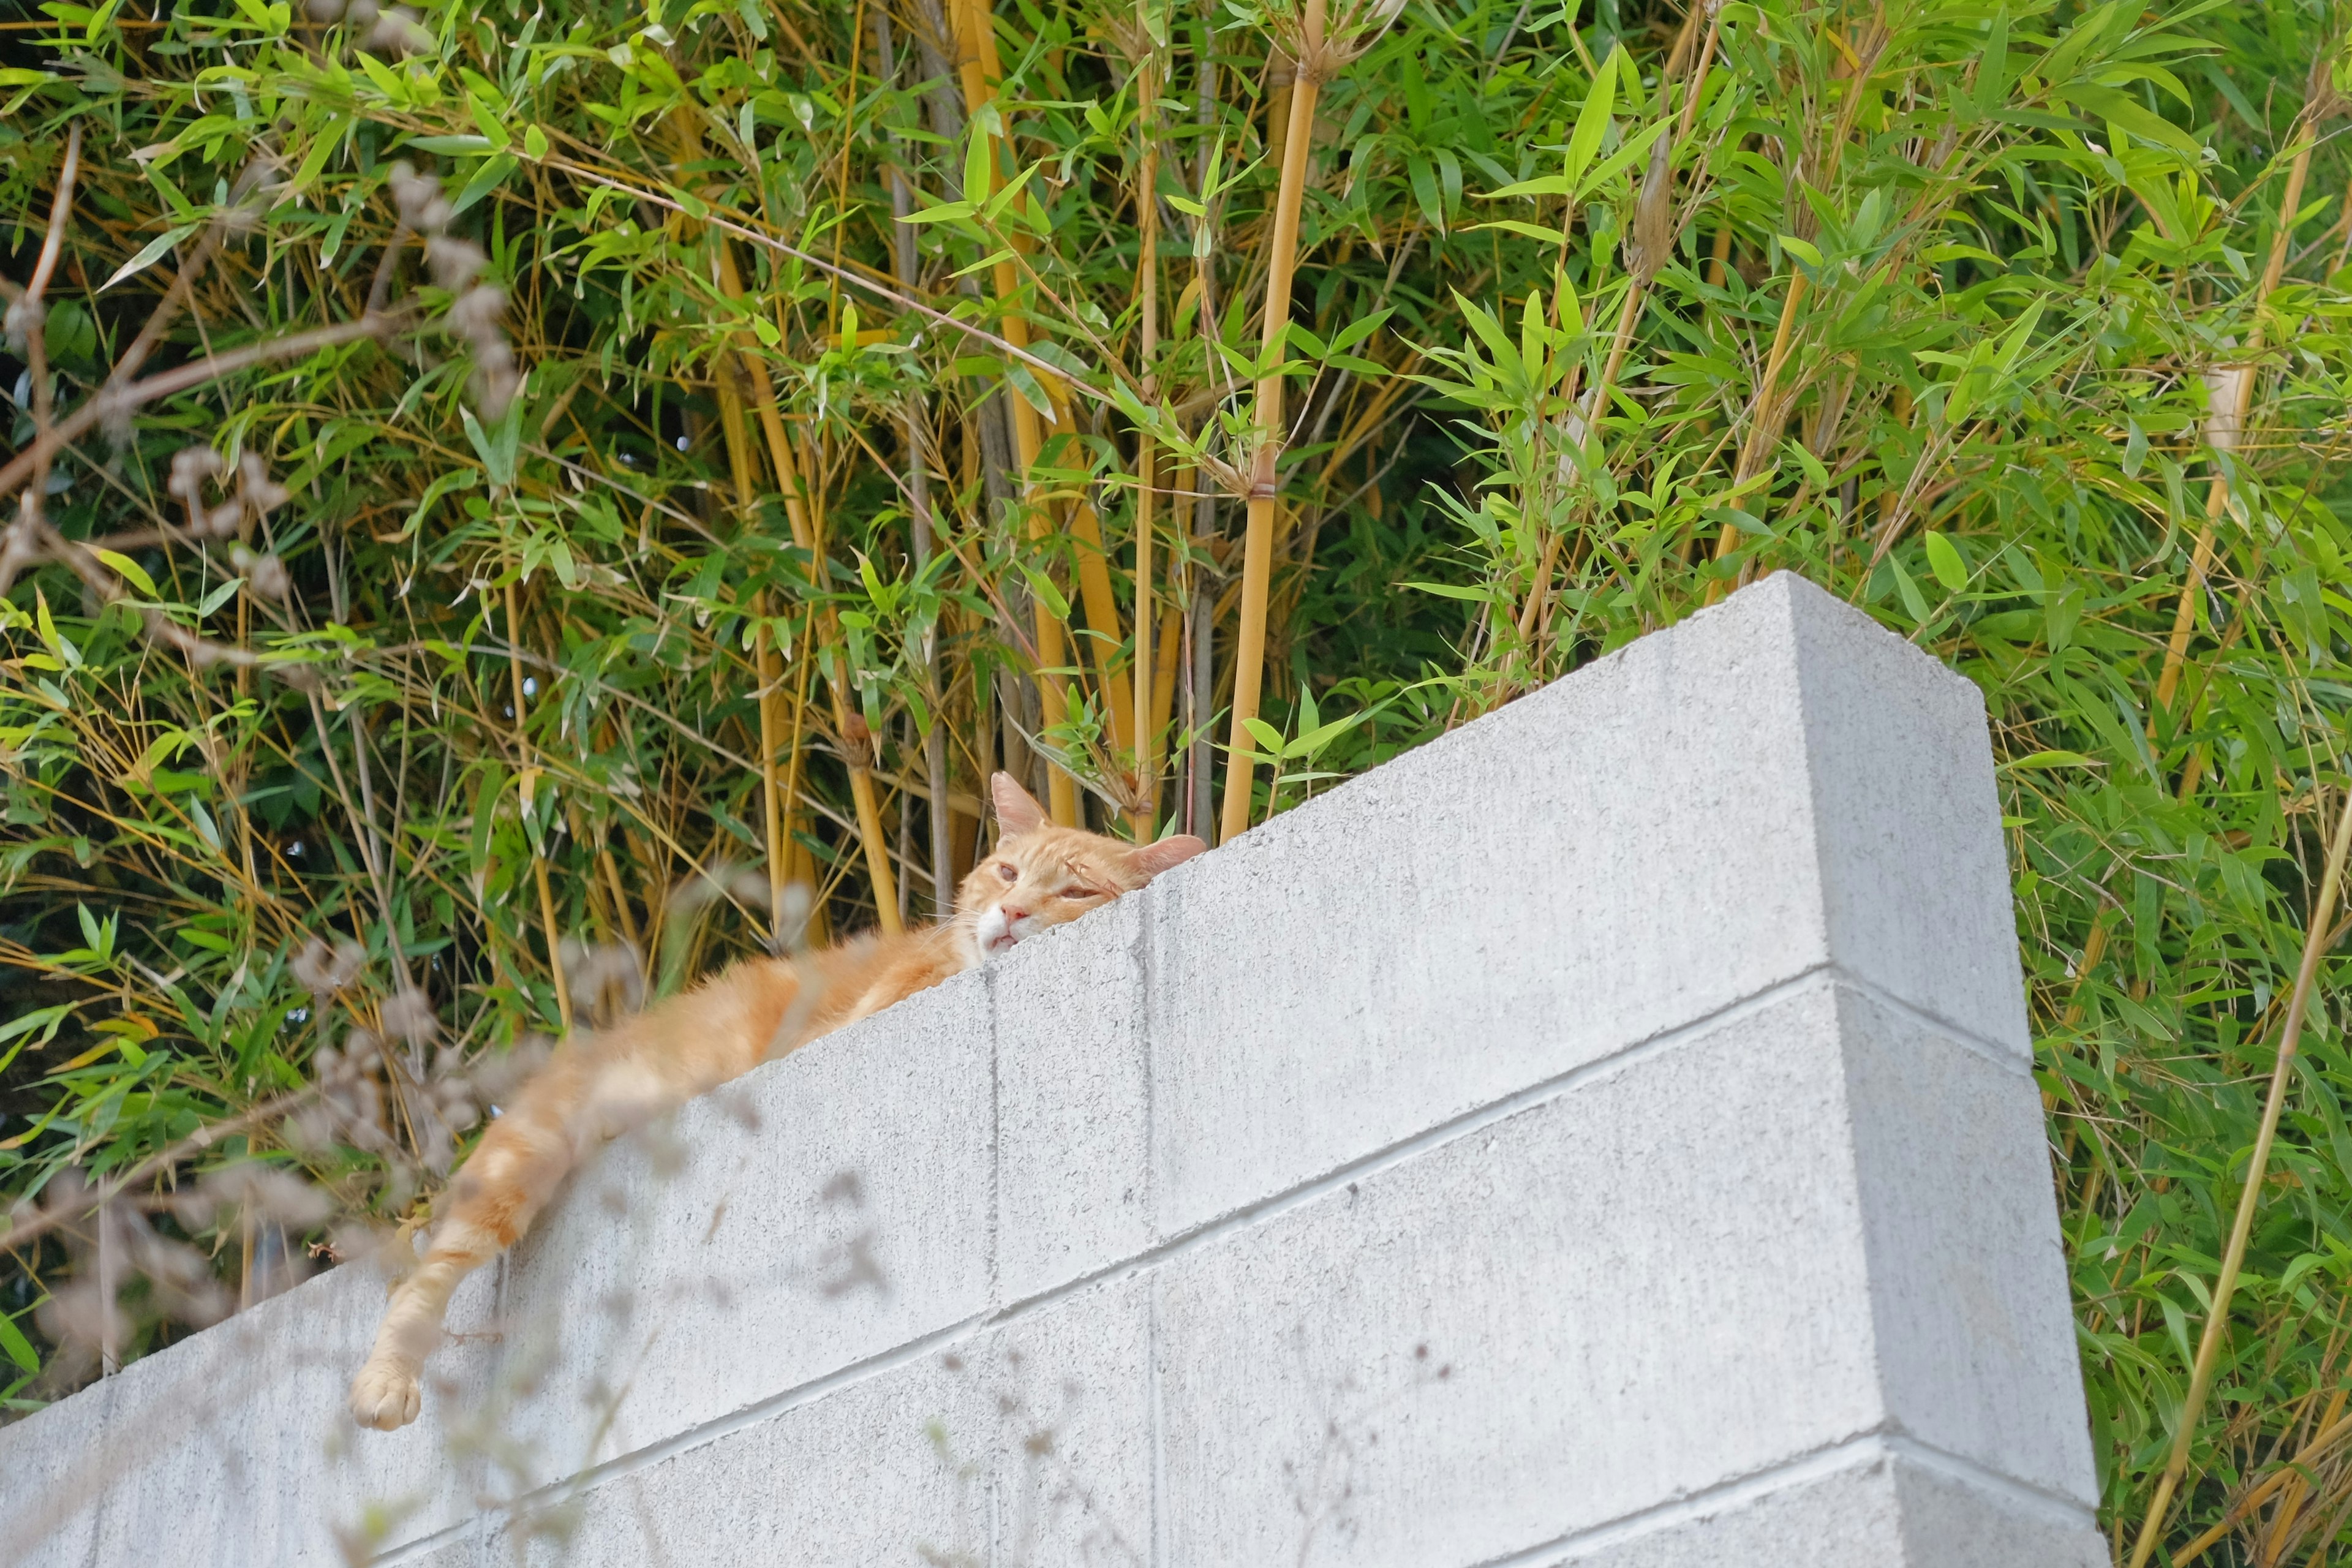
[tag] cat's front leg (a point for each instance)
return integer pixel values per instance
(386, 1393)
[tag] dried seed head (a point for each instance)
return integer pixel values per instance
(454, 261)
(362, 1241)
(417, 198)
(190, 467)
(317, 971)
(397, 34)
(495, 379)
(249, 1185)
(474, 314)
(254, 486)
(610, 977)
(22, 316)
(114, 406)
(267, 576)
(410, 1016)
(324, 11)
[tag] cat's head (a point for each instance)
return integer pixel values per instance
(1043, 875)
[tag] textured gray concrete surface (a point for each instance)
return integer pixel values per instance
(1603, 1136)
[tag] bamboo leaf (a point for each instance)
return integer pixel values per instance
(1592, 119)
(1944, 557)
(148, 255)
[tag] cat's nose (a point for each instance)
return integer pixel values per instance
(1013, 914)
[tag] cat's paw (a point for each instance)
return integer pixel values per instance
(386, 1394)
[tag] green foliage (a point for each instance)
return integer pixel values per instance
(1927, 303)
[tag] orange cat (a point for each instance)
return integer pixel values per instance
(597, 1085)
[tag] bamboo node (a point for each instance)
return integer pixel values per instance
(856, 741)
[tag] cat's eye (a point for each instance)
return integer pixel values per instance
(1007, 872)
(1083, 893)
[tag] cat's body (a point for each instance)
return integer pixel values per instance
(599, 1085)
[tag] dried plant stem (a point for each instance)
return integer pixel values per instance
(1257, 545)
(27, 318)
(935, 734)
(2217, 1320)
(1594, 405)
(2217, 492)
(1097, 599)
(1142, 819)
(1763, 416)
(2298, 1489)
(183, 378)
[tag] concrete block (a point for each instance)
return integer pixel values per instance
(1968, 1285)
(1635, 846)
(232, 1445)
(859, 1476)
(1025, 1445)
(1654, 1283)
(1070, 1453)
(1914, 880)
(1073, 1102)
(1863, 1506)
(818, 1212)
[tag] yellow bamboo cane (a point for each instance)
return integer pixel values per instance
(855, 747)
(1257, 541)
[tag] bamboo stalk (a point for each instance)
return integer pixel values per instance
(1200, 670)
(776, 800)
(771, 793)
(856, 738)
(2209, 1347)
(1141, 821)
(855, 748)
(1163, 675)
(979, 67)
(538, 857)
(1595, 402)
(815, 931)
(767, 667)
(1257, 545)
(934, 737)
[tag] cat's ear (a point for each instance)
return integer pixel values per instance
(1017, 811)
(1153, 858)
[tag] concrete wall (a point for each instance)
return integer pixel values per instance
(1603, 1136)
